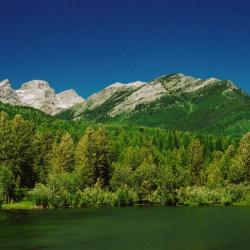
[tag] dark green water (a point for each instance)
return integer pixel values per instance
(127, 228)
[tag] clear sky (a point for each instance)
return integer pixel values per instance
(88, 44)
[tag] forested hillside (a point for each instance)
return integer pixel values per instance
(171, 102)
(76, 164)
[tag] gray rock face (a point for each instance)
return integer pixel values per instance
(7, 94)
(101, 97)
(38, 94)
(68, 98)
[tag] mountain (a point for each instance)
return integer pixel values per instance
(173, 101)
(38, 94)
(69, 98)
(7, 94)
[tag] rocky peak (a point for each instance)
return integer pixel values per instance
(38, 94)
(69, 98)
(179, 83)
(7, 94)
(135, 84)
(36, 84)
(5, 83)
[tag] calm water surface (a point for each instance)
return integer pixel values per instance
(195, 228)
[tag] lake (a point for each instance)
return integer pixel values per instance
(172, 228)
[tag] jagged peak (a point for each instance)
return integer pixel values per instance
(70, 93)
(231, 84)
(4, 83)
(40, 84)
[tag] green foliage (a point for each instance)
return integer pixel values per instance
(22, 205)
(41, 195)
(64, 189)
(214, 171)
(195, 160)
(125, 197)
(110, 164)
(207, 196)
(244, 154)
(1, 199)
(93, 157)
(201, 196)
(62, 155)
(122, 176)
(7, 183)
(144, 181)
(96, 197)
(42, 144)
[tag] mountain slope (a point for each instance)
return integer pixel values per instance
(172, 102)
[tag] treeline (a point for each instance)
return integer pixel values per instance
(119, 165)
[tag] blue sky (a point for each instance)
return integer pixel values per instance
(88, 44)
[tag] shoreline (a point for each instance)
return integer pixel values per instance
(28, 206)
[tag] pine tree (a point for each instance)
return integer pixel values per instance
(7, 183)
(62, 155)
(42, 145)
(214, 170)
(93, 157)
(21, 151)
(195, 160)
(244, 154)
(5, 139)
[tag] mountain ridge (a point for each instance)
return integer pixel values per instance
(174, 101)
(38, 94)
(148, 92)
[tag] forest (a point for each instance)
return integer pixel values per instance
(57, 163)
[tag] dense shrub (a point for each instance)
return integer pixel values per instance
(96, 197)
(1, 198)
(202, 196)
(125, 197)
(238, 193)
(41, 195)
(206, 196)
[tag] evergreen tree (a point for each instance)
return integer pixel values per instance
(214, 170)
(41, 145)
(135, 156)
(144, 180)
(62, 155)
(93, 157)
(121, 176)
(244, 154)
(7, 183)
(5, 139)
(195, 160)
(21, 151)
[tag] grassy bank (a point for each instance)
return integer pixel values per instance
(22, 205)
